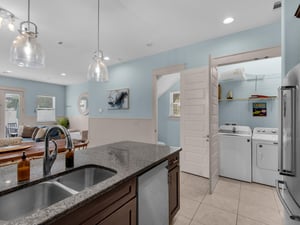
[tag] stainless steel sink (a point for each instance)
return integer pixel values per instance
(85, 177)
(25, 201)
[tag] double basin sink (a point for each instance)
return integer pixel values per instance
(27, 200)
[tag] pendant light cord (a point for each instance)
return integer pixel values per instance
(98, 33)
(28, 11)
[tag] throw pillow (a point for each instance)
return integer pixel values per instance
(27, 132)
(34, 133)
(41, 133)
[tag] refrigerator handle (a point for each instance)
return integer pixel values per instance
(284, 189)
(287, 138)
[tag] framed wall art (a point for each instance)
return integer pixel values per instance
(118, 99)
(259, 109)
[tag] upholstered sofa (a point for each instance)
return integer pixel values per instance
(36, 133)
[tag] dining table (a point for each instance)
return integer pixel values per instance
(33, 150)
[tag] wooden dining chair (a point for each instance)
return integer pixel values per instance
(81, 145)
(12, 130)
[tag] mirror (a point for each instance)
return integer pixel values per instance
(83, 104)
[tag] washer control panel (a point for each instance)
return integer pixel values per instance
(266, 134)
(260, 130)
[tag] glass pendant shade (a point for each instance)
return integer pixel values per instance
(97, 69)
(7, 20)
(26, 51)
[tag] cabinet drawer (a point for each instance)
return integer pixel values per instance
(126, 215)
(101, 207)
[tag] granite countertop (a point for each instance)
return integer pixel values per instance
(127, 158)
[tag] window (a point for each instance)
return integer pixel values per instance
(175, 104)
(45, 108)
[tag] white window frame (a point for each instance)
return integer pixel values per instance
(172, 104)
(46, 114)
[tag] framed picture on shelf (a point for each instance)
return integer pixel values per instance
(118, 99)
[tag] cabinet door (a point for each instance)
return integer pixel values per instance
(174, 191)
(126, 215)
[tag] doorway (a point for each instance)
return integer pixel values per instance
(11, 109)
(168, 109)
(229, 60)
(162, 74)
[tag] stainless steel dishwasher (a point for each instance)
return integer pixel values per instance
(153, 196)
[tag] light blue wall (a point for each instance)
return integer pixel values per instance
(240, 112)
(137, 74)
(72, 94)
(290, 35)
(32, 89)
(168, 128)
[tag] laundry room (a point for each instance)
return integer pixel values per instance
(248, 93)
(248, 120)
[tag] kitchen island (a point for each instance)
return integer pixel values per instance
(128, 159)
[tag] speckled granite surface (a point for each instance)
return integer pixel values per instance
(127, 158)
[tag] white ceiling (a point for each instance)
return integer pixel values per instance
(126, 27)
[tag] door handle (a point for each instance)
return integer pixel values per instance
(287, 163)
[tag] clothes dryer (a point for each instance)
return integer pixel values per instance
(265, 155)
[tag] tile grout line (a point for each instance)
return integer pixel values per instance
(201, 202)
(256, 220)
(237, 212)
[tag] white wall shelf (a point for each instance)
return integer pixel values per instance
(249, 99)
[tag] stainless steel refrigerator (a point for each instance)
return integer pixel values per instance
(288, 188)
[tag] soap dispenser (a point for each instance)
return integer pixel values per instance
(23, 169)
(70, 158)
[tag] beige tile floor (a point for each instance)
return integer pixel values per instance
(232, 203)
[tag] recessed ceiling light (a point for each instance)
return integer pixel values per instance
(106, 58)
(7, 71)
(228, 20)
(63, 74)
(8, 181)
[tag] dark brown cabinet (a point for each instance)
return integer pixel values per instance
(126, 215)
(174, 185)
(117, 207)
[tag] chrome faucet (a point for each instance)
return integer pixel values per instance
(50, 158)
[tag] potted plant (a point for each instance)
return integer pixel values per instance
(64, 121)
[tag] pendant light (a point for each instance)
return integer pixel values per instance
(97, 69)
(7, 19)
(25, 50)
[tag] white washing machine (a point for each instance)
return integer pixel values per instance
(235, 152)
(265, 155)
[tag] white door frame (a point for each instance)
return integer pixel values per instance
(155, 75)
(4, 90)
(246, 56)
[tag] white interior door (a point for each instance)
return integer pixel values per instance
(194, 122)
(213, 128)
